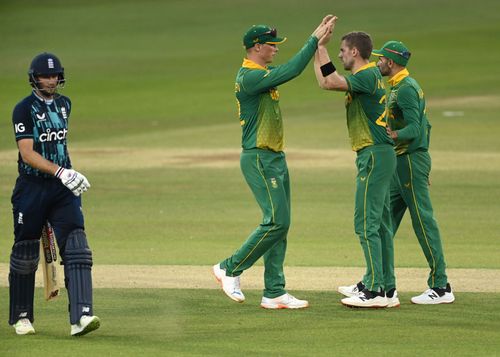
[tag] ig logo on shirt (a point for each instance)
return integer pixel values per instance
(19, 128)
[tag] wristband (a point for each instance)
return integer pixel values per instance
(327, 69)
(59, 172)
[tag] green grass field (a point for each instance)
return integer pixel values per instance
(154, 128)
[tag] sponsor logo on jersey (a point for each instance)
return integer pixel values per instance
(41, 117)
(50, 135)
(19, 128)
(63, 112)
(274, 184)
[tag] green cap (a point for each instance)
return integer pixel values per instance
(395, 51)
(261, 34)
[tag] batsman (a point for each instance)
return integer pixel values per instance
(48, 190)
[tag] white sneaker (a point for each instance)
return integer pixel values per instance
(367, 299)
(435, 296)
(285, 301)
(87, 324)
(392, 298)
(351, 290)
(24, 327)
(230, 284)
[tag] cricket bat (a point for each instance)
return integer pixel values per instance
(48, 252)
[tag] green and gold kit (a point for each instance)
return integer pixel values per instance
(407, 114)
(258, 98)
(366, 110)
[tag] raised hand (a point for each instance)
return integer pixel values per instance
(330, 25)
(322, 27)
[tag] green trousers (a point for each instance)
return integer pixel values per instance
(410, 189)
(266, 173)
(376, 165)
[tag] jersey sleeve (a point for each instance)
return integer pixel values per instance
(408, 102)
(361, 82)
(21, 119)
(68, 105)
(258, 81)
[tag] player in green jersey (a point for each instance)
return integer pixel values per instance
(263, 162)
(376, 162)
(410, 129)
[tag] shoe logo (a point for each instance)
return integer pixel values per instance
(85, 309)
(20, 218)
(41, 117)
(433, 295)
(362, 178)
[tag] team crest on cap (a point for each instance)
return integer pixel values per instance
(50, 63)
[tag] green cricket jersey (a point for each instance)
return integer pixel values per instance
(365, 105)
(258, 98)
(407, 114)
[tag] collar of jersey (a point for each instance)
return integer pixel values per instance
(398, 77)
(43, 100)
(252, 65)
(366, 66)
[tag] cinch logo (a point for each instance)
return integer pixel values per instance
(53, 135)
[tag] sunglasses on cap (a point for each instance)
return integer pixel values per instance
(404, 54)
(273, 32)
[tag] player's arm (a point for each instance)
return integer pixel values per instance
(326, 73)
(260, 81)
(408, 102)
(34, 159)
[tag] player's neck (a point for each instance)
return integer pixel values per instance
(257, 59)
(358, 64)
(42, 97)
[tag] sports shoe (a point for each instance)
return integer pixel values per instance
(24, 327)
(285, 301)
(230, 284)
(367, 298)
(392, 298)
(435, 296)
(87, 324)
(351, 290)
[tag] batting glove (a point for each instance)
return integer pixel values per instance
(75, 181)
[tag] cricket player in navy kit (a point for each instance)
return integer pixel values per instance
(48, 189)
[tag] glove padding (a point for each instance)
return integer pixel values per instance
(75, 181)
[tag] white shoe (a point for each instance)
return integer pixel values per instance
(285, 301)
(87, 324)
(435, 296)
(367, 299)
(392, 298)
(230, 284)
(24, 327)
(351, 290)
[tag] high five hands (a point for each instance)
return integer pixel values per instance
(324, 30)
